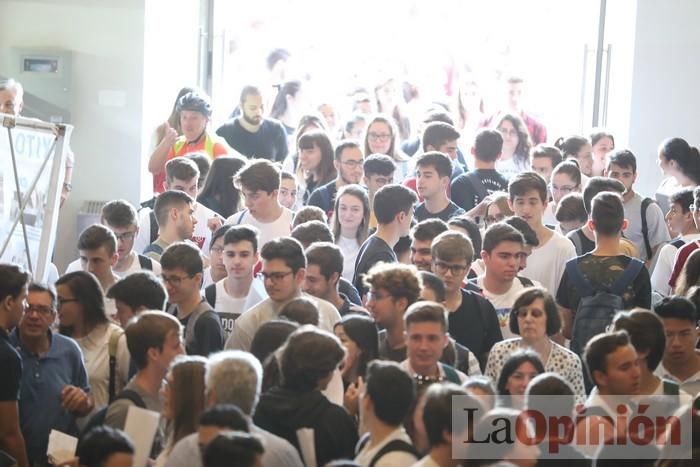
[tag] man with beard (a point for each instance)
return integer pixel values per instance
(175, 215)
(253, 135)
(349, 164)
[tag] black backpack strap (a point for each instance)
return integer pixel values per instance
(525, 282)
(678, 242)
(645, 226)
(210, 294)
(132, 396)
(627, 276)
(574, 273)
(154, 225)
(145, 262)
(477, 184)
(362, 443)
(240, 218)
(394, 446)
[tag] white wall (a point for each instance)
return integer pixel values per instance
(665, 98)
(137, 51)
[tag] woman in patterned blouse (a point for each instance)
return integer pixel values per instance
(534, 318)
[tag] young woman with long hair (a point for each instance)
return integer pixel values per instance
(350, 224)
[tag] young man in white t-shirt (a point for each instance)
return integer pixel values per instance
(120, 217)
(239, 290)
(527, 197)
(503, 249)
(182, 173)
(259, 182)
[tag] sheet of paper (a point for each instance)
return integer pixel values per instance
(61, 446)
(307, 446)
(140, 427)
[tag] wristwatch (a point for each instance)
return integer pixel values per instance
(67, 186)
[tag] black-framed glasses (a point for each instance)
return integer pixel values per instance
(376, 296)
(275, 276)
(126, 236)
(42, 310)
(456, 269)
(174, 279)
(379, 136)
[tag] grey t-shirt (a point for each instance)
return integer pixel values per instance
(116, 413)
(278, 451)
(658, 232)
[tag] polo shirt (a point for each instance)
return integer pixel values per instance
(11, 365)
(43, 379)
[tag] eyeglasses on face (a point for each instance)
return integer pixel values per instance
(42, 310)
(456, 269)
(125, 237)
(174, 279)
(378, 136)
(275, 276)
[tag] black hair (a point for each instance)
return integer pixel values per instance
(607, 213)
(96, 236)
(524, 228)
(439, 161)
(309, 356)
(511, 365)
(119, 213)
(570, 168)
(473, 232)
(182, 255)
(287, 249)
(362, 330)
(270, 336)
(279, 106)
(242, 233)
(524, 182)
(646, 333)
(140, 289)
(686, 156)
(219, 233)
(309, 213)
(390, 200)
(599, 347)
(327, 256)
(226, 416)
(434, 283)
(677, 307)
(14, 279)
(428, 229)
(623, 158)
(570, 146)
(437, 412)
(684, 198)
(44, 288)
(100, 443)
(168, 200)
(598, 133)
(233, 449)
(275, 56)
(438, 133)
(219, 185)
(596, 185)
(87, 291)
(571, 208)
(301, 310)
(343, 145)
(379, 164)
(488, 144)
(549, 152)
(402, 246)
(312, 232)
(391, 390)
(500, 232)
(550, 384)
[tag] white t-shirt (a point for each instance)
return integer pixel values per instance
(547, 262)
(200, 237)
(509, 167)
(503, 303)
(95, 347)
(350, 248)
(548, 217)
(230, 308)
(135, 266)
(665, 261)
(281, 227)
(658, 232)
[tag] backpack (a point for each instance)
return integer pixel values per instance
(210, 295)
(525, 282)
(113, 347)
(645, 227)
(154, 225)
(678, 242)
(98, 419)
(153, 248)
(597, 307)
(396, 445)
(146, 263)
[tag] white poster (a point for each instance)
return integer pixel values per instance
(38, 168)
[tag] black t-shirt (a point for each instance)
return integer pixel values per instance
(582, 243)
(324, 197)
(208, 333)
(603, 271)
(387, 353)
(467, 196)
(269, 142)
(475, 325)
(11, 364)
(421, 213)
(372, 251)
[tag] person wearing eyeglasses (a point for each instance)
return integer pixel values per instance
(348, 163)
(565, 179)
(472, 320)
(283, 273)
(55, 389)
(533, 320)
(182, 276)
(503, 248)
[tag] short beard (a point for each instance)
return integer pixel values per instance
(251, 121)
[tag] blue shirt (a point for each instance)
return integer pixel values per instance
(43, 379)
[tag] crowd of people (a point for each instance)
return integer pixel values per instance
(301, 291)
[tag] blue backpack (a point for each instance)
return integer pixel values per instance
(597, 306)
